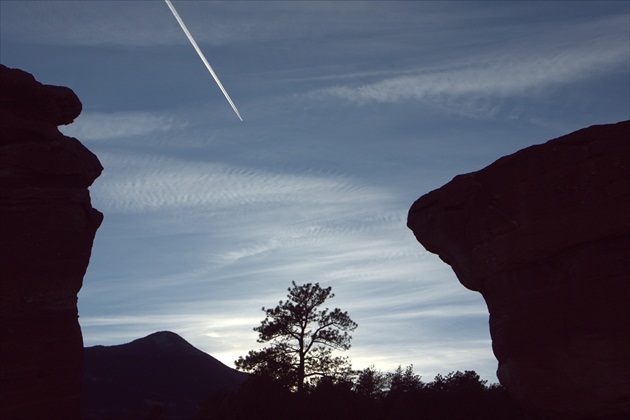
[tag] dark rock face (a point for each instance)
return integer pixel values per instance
(47, 226)
(544, 235)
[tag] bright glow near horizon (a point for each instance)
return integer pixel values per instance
(355, 109)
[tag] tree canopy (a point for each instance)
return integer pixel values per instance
(302, 338)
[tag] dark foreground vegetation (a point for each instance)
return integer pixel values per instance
(371, 395)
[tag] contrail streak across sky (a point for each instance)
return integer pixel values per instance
(203, 58)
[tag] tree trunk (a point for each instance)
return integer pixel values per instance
(300, 378)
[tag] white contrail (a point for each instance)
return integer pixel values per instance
(203, 58)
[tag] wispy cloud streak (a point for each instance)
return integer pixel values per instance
(520, 65)
(492, 79)
(138, 184)
(97, 126)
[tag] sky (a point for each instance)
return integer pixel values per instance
(351, 111)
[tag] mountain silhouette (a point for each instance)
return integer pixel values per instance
(161, 374)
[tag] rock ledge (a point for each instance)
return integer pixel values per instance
(544, 235)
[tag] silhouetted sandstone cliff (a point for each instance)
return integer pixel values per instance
(544, 235)
(47, 226)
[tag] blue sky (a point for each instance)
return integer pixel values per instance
(352, 110)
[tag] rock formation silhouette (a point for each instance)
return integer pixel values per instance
(544, 236)
(47, 226)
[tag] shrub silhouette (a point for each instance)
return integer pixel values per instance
(372, 395)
